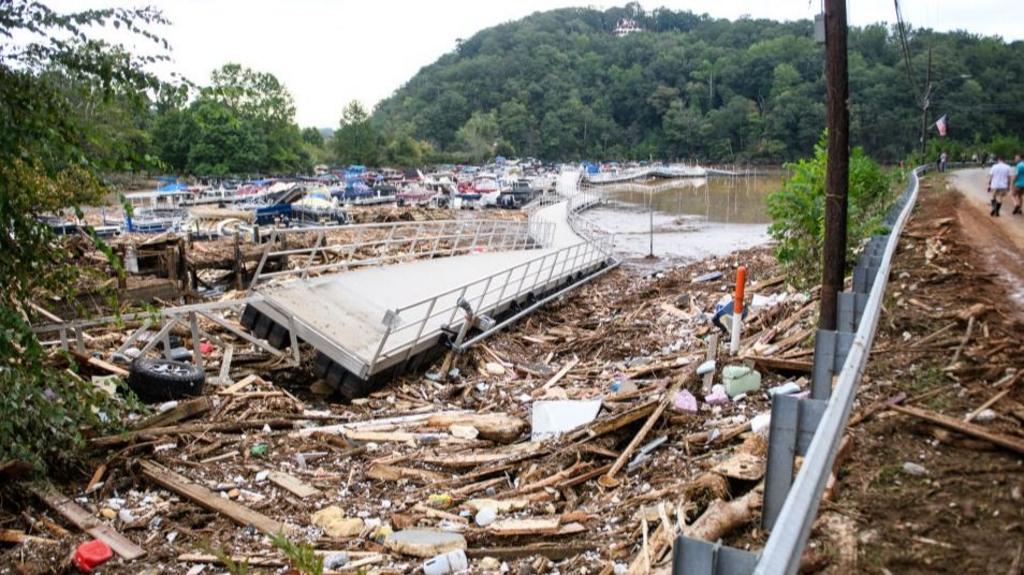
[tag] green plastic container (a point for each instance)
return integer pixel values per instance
(740, 379)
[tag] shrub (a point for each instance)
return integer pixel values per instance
(798, 210)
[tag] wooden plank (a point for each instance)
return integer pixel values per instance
(780, 364)
(558, 376)
(709, 378)
(971, 429)
(183, 410)
(392, 473)
(528, 526)
(553, 551)
(291, 483)
(100, 364)
(200, 495)
(85, 521)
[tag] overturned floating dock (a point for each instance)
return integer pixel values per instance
(370, 323)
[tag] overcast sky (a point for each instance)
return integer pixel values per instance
(328, 52)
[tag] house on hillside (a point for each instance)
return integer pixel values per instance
(626, 26)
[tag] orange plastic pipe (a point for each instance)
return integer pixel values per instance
(741, 280)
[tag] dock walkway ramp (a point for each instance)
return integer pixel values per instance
(369, 322)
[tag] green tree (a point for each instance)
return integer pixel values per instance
(355, 141)
(479, 136)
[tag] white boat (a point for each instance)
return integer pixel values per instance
(486, 184)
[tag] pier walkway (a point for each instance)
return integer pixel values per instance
(366, 321)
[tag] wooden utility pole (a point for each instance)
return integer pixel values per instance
(838, 171)
(926, 97)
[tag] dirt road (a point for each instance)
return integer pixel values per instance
(924, 499)
(1000, 240)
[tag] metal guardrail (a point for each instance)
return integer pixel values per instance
(399, 241)
(791, 524)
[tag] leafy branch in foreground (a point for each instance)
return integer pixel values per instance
(798, 210)
(51, 155)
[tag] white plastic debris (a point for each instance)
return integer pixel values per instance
(553, 418)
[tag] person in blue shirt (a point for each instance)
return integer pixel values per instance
(1018, 184)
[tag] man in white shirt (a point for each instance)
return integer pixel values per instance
(1000, 175)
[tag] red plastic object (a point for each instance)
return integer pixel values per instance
(91, 555)
(205, 347)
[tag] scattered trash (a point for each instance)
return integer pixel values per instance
(494, 368)
(335, 560)
(684, 402)
(450, 562)
(717, 395)
(486, 516)
(258, 450)
(788, 388)
(740, 379)
(760, 422)
(335, 524)
(706, 367)
(708, 277)
(91, 554)
(424, 542)
(553, 418)
(911, 468)
(985, 416)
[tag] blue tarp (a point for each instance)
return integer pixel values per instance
(175, 187)
(592, 168)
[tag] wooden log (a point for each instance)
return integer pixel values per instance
(17, 536)
(202, 496)
(498, 427)
(553, 551)
(223, 426)
(1005, 441)
(721, 517)
(82, 519)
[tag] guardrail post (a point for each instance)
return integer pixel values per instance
(793, 423)
(698, 557)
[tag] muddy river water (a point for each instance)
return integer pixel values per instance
(692, 218)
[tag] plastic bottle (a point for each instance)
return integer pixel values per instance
(450, 562)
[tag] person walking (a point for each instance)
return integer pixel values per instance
(1000, 176)
(1018, 184)
(943, 159)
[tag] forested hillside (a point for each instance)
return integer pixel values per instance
(561, 85)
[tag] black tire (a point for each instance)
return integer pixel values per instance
(279, 337)
(155, 380)
(249, 317)
(263, 326)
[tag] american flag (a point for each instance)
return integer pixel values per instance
(940, 125)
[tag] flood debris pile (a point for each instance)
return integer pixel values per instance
(584, 439)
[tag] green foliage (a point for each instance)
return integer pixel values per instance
(356, 140)
(63, 102)
(798, 210)
(301, 557)
(243, 123)
(563, 87)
